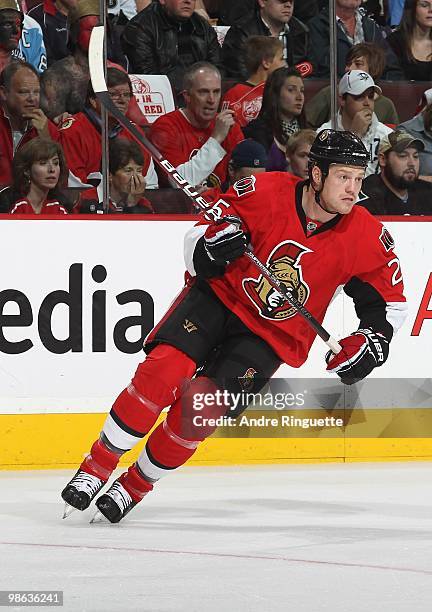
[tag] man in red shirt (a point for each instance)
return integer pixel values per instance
(198, 140)
(262, 55)
(80, 135)
(232, 324)
(21, 117)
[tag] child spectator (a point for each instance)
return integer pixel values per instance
(281, 115)
(297, 152)
(263, 55)
(412, 41)
(39, 172)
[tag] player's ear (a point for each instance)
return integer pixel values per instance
(382, 160)
(316, 176)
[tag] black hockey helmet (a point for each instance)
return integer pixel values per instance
(334, 147)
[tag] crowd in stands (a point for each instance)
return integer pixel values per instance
(250, 83)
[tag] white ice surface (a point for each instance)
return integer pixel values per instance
(311, 538)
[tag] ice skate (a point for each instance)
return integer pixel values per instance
(92, 475)
(80, 491)
(123, 495)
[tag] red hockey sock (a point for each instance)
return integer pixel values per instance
(101, 461)
(135, 484)
(175, 440)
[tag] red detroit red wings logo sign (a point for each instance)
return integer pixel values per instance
(283, 262)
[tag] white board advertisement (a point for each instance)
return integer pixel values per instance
(78, 296)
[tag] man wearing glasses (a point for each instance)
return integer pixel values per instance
(80, 135)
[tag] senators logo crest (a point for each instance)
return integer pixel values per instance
(284, 264)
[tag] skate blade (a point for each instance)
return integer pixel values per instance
(68, 509)
(99, 518)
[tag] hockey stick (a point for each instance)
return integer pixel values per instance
(212, 211)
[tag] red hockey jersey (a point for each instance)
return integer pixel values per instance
(311, 264)
(49, 207)
(178, 141)
(81, 142)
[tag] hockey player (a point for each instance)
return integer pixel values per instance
(232, 325)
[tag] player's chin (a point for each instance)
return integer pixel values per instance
(345, 206)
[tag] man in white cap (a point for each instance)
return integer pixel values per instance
(357, 92)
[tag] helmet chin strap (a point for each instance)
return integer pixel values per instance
(317, 195)
(320, 204)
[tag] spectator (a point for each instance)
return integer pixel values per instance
(11, 22)
(52, 16)
(412, 41)
(39, 172)
(297, 153)
(370, 58)
(397, 190)
(270, 18)
(420, 127)
(354, 27)
(248, 158)
(263, 55)
(80, 135)
(196, 139)
(281, 115)
(64, 84)
(21, 117)
(126, 182)
(167, 37)
(232, 12)
(31, 48)
(20, 37)
(356, 113)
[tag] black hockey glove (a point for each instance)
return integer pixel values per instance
(224, 240)
(361, 352)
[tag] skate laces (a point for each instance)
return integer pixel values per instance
(87, 483)
(120, 496)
